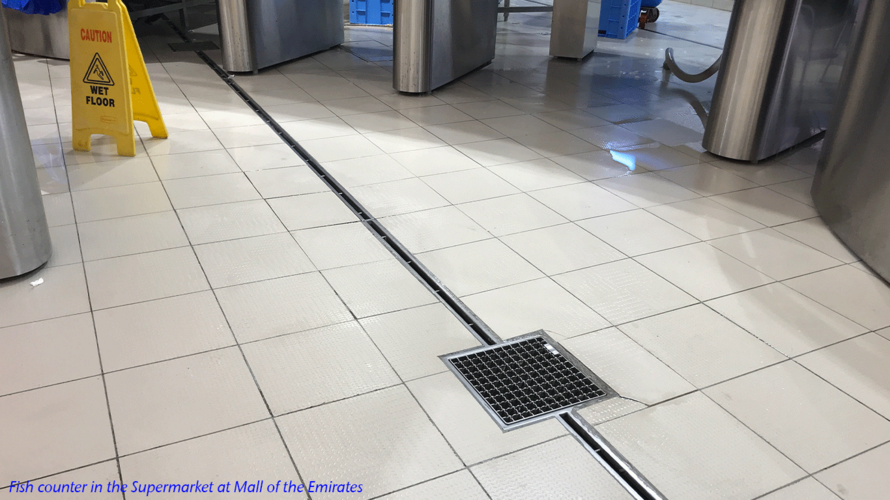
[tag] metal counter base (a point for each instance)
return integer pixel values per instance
(852, 184)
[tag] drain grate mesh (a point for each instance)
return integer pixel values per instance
(522, 380)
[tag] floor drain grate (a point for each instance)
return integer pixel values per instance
(525, 380)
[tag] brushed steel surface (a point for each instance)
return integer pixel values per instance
(438, 41)
(852, 184)
(779, 76)
(255, 35)
(38, 35)
(24, 235)
(575, 28)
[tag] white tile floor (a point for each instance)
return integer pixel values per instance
(212, 311)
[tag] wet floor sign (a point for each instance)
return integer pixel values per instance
(110, 86)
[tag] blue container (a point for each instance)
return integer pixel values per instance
(650, 3)
(618, 18)
(377, 12)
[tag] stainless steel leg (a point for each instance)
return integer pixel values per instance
(24, 236)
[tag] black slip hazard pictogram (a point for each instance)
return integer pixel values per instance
(98, 74)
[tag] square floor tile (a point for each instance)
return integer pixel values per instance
(704, 218)
(497, 152)
(436, 115)
(464, 132)
(289, 181)
(340, 148)
(194, 164)
(101, 473)
(310, 368)
(656, 156)
(561, 468)
(405, 139)
(511, 214)
(166, 402)
(712, 454)
(571, 119)
(858, 367)
(706, 180)
(664, 131)
(384, 121)
(48, 352)
(299, 111)
(368, 170)
(765, 173)
(250, 135)
(412, 340)
(146, 276)
(861, 478)
(535, 305)
(311, 210)
(620, 113)
(563, 248)
(229, 221)
(62, 293)
(355, 105)
(595, 165)
(378, 287)
(110, 174)
(131, 235)
(458, 485)
(383, 441)
(58, 208)
(477, 267)
(65, 246)
(848, 291)
(816, 234)
(434, 161)
(514, 126)
(285, 305)
(434, 229)
(786, 320)
(67, 423)
(398, 197)
(188, 141)
(636, 232)
(249, 454)
(323, 128)
(235, 262)
(702, 346)
(808, 420)
(624, 291)
(555, 144)
(468, 427)
(265, 157)
(536, 174)
(798, 190)
(766, 206)
(646, 190)
(703, 271)
(341, 245)
(469, 185)
(488, 109)
(582, 201)
(210, 190)
(774, 254)
(628, 368)
(611, 137)
(120, 201)
(160, 329)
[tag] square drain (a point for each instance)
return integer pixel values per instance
(525, 379)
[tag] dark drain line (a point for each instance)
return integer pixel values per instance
(611, 460)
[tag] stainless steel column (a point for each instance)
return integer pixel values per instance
(852, 184)
(779, 77)
(39, 35)
(575, 28)
(259, 33)
(24, 236)
(438, 41)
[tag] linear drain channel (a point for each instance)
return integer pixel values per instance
(524, 380)
(610, 459)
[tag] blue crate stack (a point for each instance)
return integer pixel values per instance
(377, 12)
(618, 18)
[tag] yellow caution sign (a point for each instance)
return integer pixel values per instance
(110, 86)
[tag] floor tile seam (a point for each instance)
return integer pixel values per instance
(6, 488)
(839, 313)
(244, 359)
(119, 216)
(428, 481)
(133, 254)
(840, 263)
(886, 418)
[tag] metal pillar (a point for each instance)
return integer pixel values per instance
(438, 41)
(852, 185)
(24, 235)
(779, 77)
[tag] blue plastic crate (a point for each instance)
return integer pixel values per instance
(377, 12)
(618, 18)
(650, 3)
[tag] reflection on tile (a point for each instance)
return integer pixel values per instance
(766, 207)
(816, 234)
(646, 190)
(706, 180)
(704, 218)
(775, 254)
(857, 295)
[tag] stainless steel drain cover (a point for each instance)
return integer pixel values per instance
(525, 379)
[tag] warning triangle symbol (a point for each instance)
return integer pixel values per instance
(97, 73)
